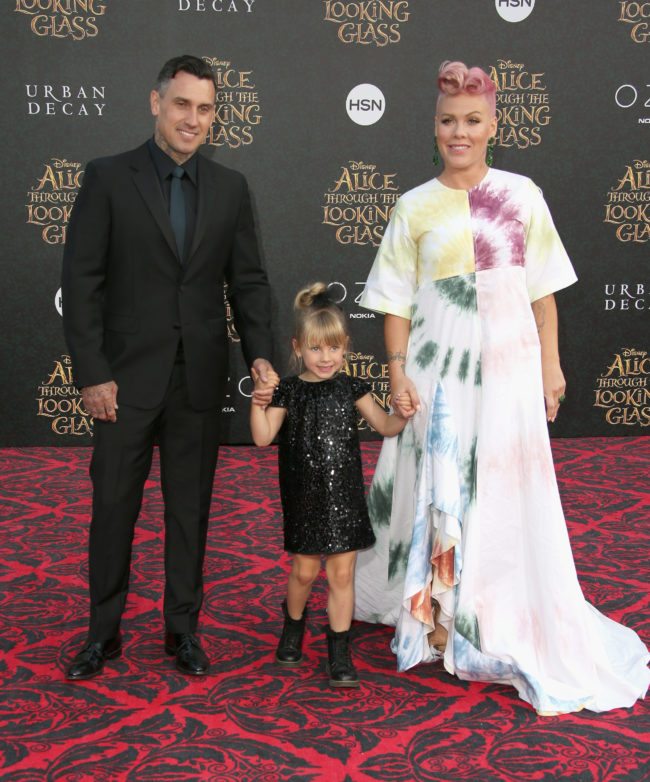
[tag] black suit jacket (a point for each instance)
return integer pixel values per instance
(127, 300)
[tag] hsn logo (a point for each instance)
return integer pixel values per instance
(365, 104)
(514, 10)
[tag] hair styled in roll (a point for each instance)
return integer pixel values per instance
(456, 78)
(318, 318)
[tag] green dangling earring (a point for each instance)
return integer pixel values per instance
(436, 154)
(489, 155)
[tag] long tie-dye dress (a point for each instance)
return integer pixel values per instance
(464, 503)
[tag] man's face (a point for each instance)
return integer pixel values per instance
(184, 113)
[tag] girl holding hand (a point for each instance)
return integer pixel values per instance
(321, 481)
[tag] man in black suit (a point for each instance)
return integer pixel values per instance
(153, 236)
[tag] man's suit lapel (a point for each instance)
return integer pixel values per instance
(146, 180)
(207, 203)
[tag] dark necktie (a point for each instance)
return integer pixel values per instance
(177, 209)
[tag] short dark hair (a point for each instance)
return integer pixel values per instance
(186, 63)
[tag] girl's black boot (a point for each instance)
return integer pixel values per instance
(289, 651)
(340, 669)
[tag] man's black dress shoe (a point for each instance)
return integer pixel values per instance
(190, 658)
(90, 660)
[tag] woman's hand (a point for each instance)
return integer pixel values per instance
(405, 398)
(554, 388)
(406, 401)
(545, 313)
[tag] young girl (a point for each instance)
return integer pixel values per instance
(321, 482)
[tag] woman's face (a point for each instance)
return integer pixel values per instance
(464, 123)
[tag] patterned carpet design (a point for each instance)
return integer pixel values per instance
(249, 720)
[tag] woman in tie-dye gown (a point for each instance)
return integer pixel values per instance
(473, 560)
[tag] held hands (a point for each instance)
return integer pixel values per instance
(406, 401)
(101, 401)
(554, 388)
(266, 379)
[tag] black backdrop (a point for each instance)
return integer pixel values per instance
(574, 110)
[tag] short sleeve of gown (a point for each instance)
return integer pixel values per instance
(391, 285)
(359, 387)
(281, 394)
(548, 268)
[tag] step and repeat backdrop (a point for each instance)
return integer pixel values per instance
(327, 107)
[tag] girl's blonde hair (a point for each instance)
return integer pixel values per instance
(318, 319)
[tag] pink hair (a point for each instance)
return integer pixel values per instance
(455, 77)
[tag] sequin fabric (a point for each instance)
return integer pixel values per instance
(321, 483)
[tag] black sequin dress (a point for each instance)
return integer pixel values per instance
(321, 482)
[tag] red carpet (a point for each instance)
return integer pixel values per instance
(249, 720)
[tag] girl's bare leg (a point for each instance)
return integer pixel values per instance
(304, 571)
(340, 601)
